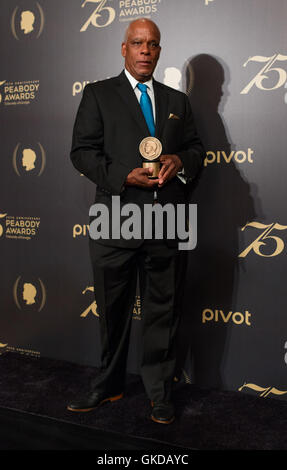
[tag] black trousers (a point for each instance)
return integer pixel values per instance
(161, 275)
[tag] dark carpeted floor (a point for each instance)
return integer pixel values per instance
(205, 419)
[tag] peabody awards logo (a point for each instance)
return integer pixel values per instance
(103, 14)
(5, 347)
(28, 22)
(1, 83)
(137, 308)
(29, 160)
(262, 391)
(2, 216)
(19, 227)
(92, 308)
(269, 77)
(172, 77)
(15, 93)
(29, 294)
(265, 244)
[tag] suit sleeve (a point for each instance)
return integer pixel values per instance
(192, 152)
(87, 153)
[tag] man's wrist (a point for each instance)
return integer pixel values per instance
(180, 163)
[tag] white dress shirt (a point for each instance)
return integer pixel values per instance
(138, 93)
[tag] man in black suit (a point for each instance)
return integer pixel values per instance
(109, 127)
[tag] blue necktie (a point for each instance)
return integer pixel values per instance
(146, 106)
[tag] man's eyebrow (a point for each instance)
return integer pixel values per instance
(142, 39)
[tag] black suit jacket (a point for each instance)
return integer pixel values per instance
(108, 129)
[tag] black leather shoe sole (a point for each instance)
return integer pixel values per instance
(162, 421)
(83, 409)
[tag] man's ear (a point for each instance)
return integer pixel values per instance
(124, 49)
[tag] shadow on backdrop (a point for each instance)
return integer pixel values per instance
(224, 205)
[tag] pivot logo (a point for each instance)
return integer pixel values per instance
(219, 316)
(240, 156)
(264, 239)
(102, 15)
(79, 86)
(80, 230)
(267, 74)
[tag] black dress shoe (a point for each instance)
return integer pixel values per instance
(162, 412)
(92, 401)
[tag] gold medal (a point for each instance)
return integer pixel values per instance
(150, 149)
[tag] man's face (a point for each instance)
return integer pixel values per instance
(141, 50)
(149, 148)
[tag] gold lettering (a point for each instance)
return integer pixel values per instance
(98, 13)
(218, 315)
(92, 307)
(258, 242)
(240, 156)
(262, 74)
(263, 391)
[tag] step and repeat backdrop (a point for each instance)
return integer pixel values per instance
(230, 57)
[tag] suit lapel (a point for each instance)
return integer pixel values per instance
(128, 96)
(161, 106)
